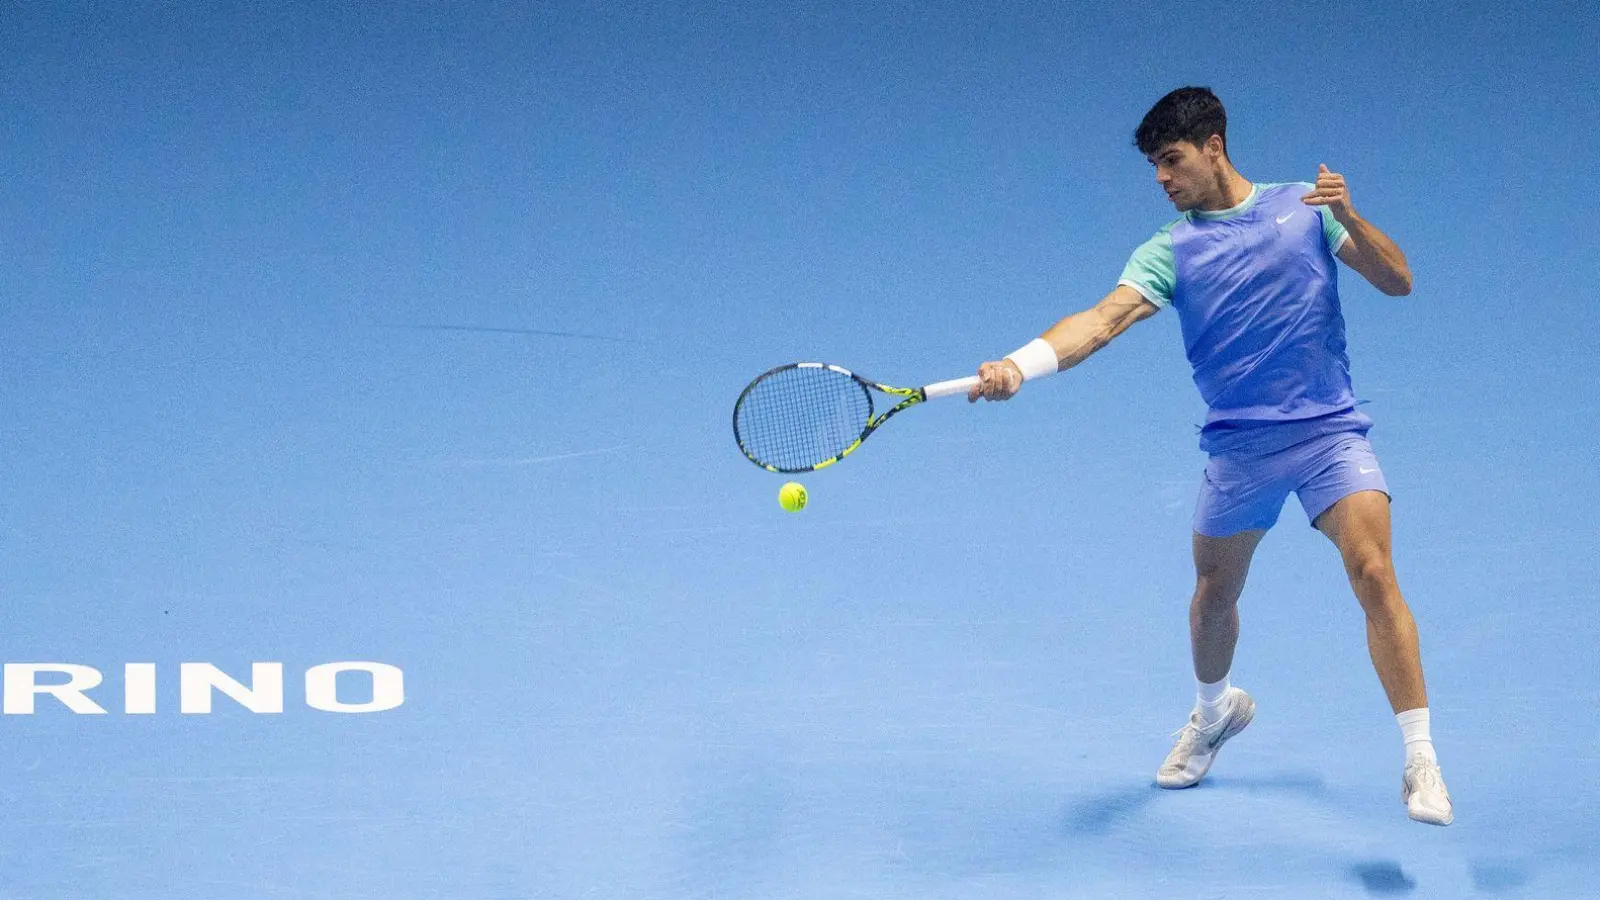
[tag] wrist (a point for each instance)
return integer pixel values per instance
(1035, 359)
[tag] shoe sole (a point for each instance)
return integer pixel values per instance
(1406, 801)
(1447, 821)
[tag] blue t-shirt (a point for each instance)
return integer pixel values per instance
(1256, 290)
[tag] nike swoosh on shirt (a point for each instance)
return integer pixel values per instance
(1283, 219)
(1365, 471)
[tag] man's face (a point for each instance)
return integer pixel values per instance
(1190, 174)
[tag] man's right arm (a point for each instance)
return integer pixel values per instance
(1074, 339)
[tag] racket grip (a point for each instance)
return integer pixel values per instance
(946, 388)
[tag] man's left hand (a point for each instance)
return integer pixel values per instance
(1331, 192)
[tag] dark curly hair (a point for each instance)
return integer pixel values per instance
(1190, 114)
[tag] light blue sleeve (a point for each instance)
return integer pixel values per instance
(1332, 232)
(1152, 270)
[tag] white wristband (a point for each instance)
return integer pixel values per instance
(1036, 359)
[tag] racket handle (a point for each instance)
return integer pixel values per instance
(946, 388)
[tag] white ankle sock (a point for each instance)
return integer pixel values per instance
(1414, 729)
(1211, 700)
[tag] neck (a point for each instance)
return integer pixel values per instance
(1232, 189)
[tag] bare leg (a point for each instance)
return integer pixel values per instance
(1220, 565)
(1359, 526)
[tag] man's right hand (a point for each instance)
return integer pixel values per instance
(996, 381)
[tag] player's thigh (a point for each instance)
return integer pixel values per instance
(1221, 564)
(1359, 525)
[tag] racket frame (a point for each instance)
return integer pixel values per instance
(910, 397)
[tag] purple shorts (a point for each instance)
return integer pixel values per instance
(1243, 492)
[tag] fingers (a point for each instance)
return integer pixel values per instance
(1330, 189)
(996, 381)
(989, 380)
(1329, 180)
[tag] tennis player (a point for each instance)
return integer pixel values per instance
(1250, 270)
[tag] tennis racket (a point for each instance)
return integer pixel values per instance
(804, 416)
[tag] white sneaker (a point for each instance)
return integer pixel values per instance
(1423, 792)
(1197, 745)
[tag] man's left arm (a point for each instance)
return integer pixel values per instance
(1369, 251)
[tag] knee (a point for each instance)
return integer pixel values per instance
(1375, 586)
(1214, 596)
(1372, 573)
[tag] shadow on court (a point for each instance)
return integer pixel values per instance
(1309, 784)
(1099, 813)
(1494, 877)
(1383, 877)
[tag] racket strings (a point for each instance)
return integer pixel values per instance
(798, 417)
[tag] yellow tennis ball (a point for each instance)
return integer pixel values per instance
(792, 496)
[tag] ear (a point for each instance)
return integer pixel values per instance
(1214, 147)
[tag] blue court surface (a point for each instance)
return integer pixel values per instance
(406, 337)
